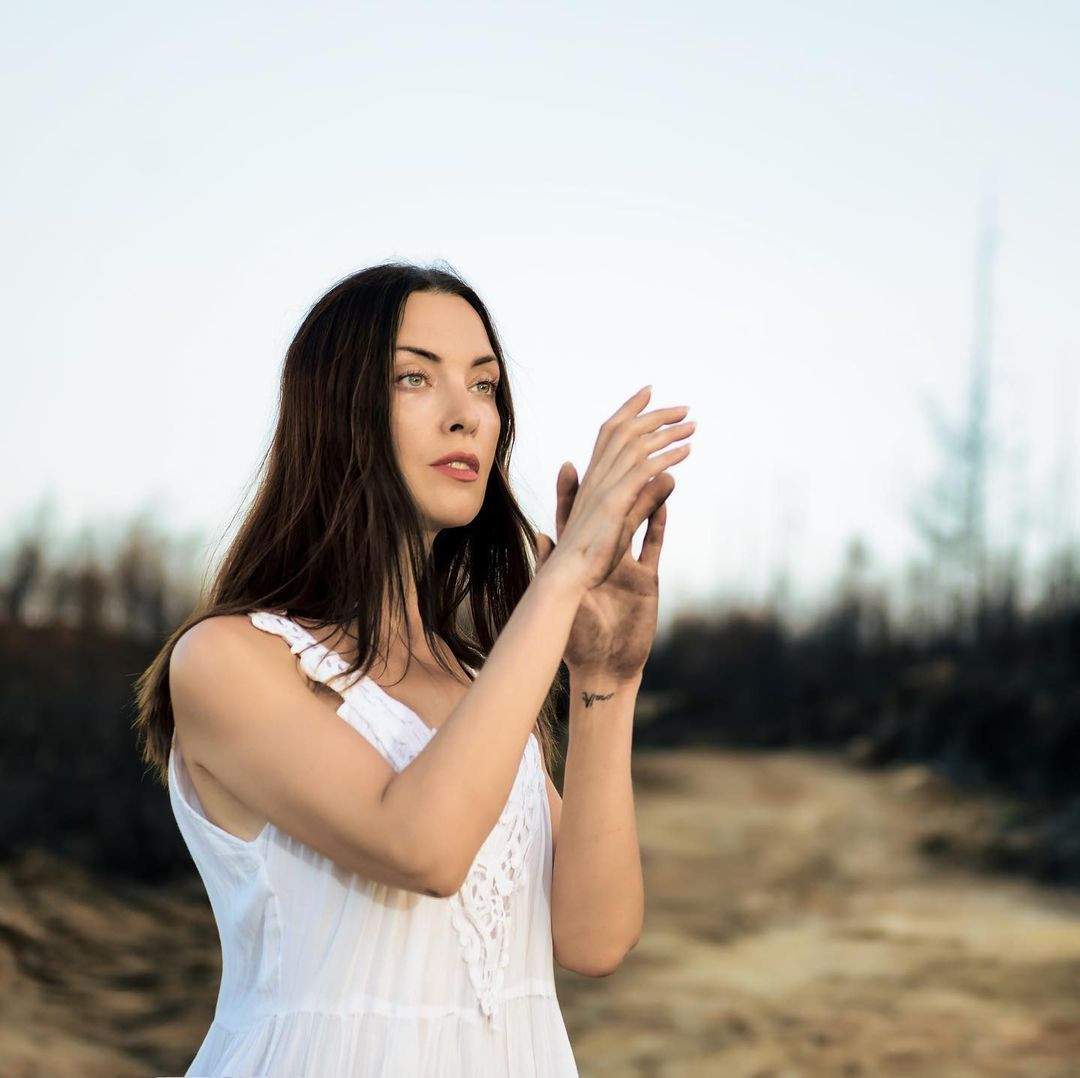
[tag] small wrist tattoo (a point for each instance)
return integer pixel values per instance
(590, 697)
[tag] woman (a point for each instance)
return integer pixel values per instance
(391, 903)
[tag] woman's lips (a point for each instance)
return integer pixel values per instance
(466, 475)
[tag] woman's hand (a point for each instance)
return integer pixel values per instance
(595, 522)
(615, 625)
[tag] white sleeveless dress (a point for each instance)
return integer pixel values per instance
(327, 974)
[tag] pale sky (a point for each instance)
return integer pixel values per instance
(769, 211)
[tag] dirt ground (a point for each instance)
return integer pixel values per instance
(793, 928)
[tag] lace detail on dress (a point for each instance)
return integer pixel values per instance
(480, 909)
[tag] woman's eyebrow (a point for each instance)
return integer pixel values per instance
(438, 359)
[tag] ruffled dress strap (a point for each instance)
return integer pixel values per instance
(394, 730)
(317, 661)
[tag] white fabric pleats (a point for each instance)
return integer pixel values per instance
(326, 973)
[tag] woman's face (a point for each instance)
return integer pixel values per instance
(443, 402)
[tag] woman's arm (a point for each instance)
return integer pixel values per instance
(597, 893)
(454, 791)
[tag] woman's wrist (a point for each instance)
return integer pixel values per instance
(605, 675)
(561, 573)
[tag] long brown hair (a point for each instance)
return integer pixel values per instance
(332, 515)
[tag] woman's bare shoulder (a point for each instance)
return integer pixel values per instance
(224, 637)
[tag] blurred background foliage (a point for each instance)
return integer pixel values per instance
(967, 676)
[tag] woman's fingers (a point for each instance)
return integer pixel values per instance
(613, 440)
(654, 465)
(654, 535)
(627, 410)
(623, 486)
(653, 495)
(669, 434)
(653, 442)
(566, 488)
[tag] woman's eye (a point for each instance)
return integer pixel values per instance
(493, 383)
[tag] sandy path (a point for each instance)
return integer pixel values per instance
(793, 928)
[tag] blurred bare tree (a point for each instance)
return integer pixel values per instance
(140, 581)
(140, 584)
(1062, 590)
(26, 563)
(952, 517)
